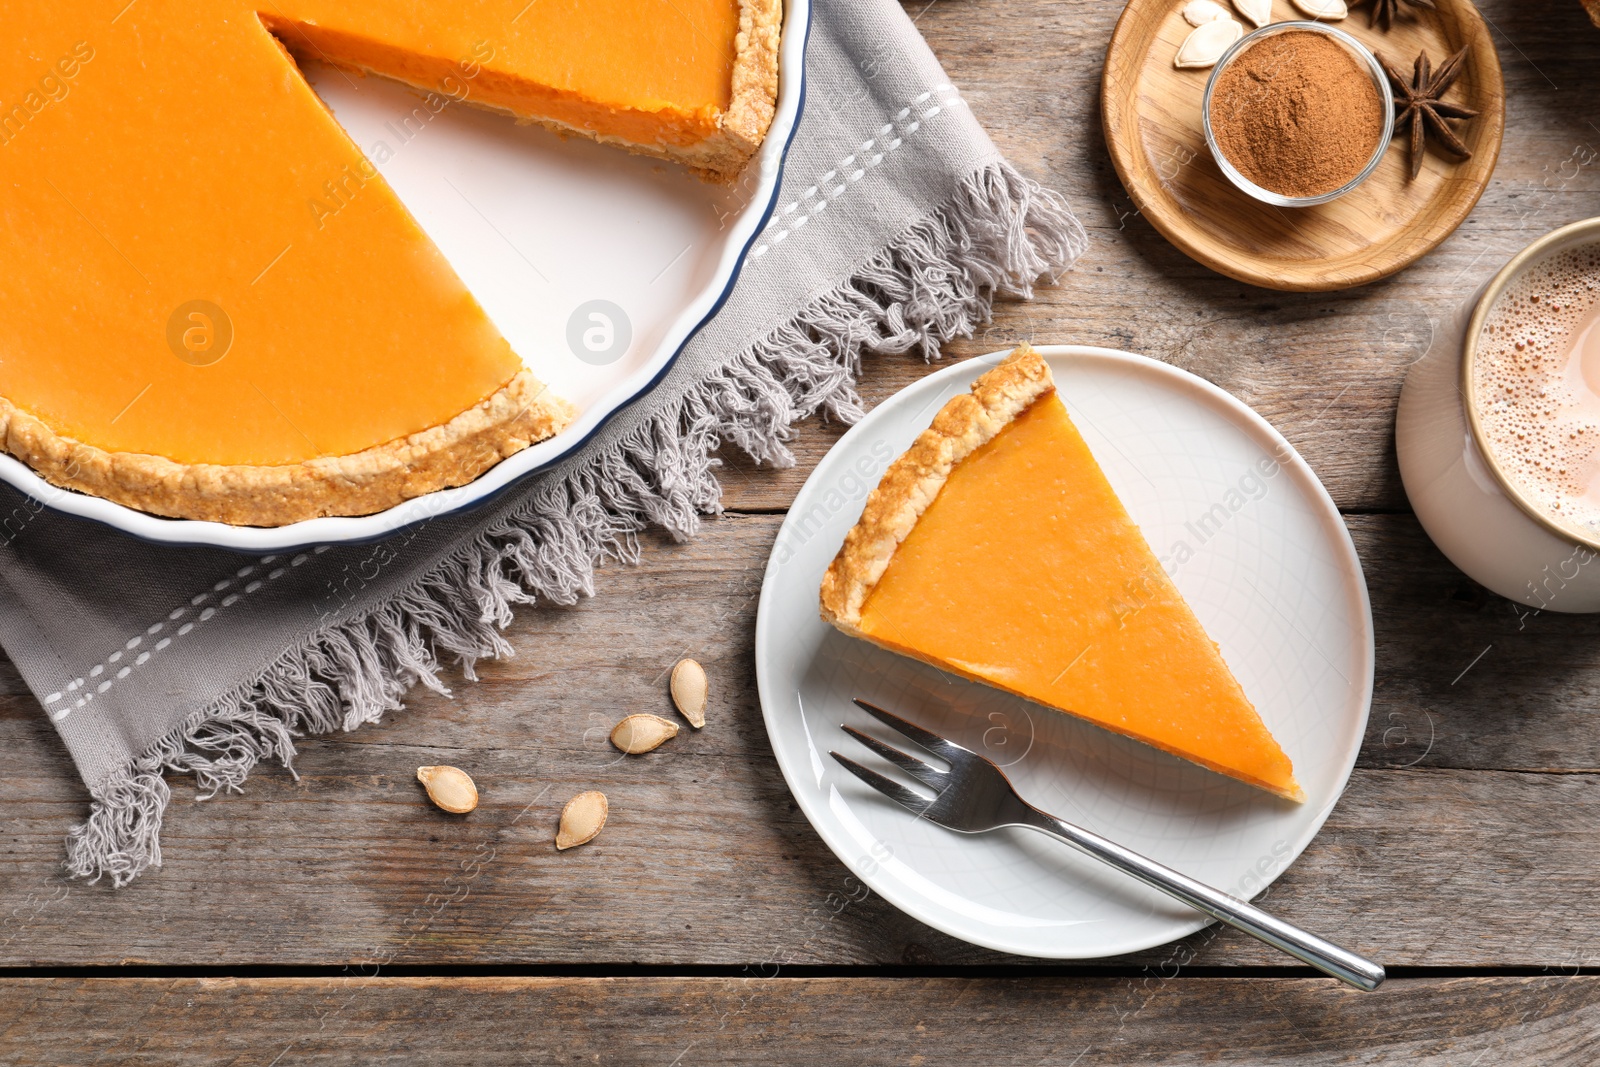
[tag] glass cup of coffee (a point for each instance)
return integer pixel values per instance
(1498, 432)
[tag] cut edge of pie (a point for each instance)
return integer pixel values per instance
(719, 157)
(518, 414)
(751, 107)
(909, 487)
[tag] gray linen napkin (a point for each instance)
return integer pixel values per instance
(897, 223)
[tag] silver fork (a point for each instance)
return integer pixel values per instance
(974, 796)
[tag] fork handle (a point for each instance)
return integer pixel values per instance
(1324, 955)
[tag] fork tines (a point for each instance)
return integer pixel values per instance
(928, 775)
(926, 738)
(890, 788)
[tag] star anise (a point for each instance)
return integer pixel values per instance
(1417, 102)
(1384, 11)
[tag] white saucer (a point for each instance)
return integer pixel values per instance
(1273, 577)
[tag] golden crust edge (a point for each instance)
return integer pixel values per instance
(518, 414)
(754, 98)
(965, 424)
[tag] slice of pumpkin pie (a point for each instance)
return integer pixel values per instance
(995, 549)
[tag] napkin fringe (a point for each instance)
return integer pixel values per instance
(999, 234)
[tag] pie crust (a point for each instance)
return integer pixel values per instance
(965, 424)
(518, 414)
(755, 86)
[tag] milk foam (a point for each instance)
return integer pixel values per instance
(1538, 385)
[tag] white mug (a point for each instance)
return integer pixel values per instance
(1476, 515)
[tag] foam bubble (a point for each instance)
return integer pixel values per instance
(1538, 384)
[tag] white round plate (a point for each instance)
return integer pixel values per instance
(546, 232)
(1266, 563)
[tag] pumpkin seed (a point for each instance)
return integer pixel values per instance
(450, 788)
(689, 688)
(582, 819)
(1200, 12)
(1257, 11)
(638, 734)
(1205, 44)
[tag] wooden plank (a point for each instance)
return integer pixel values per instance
(481, 1022)
(1326, 369)
(1459, 852)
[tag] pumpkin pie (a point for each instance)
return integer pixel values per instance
(995, 549)
(215, 306)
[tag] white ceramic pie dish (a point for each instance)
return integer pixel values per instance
(1269, 569)
(546, 232)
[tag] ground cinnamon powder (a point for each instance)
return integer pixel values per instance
(1297, 114)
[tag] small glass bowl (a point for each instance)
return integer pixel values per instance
(1379, 80)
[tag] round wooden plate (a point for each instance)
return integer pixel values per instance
(1151, 112)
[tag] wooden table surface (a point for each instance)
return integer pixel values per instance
(336, 916)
